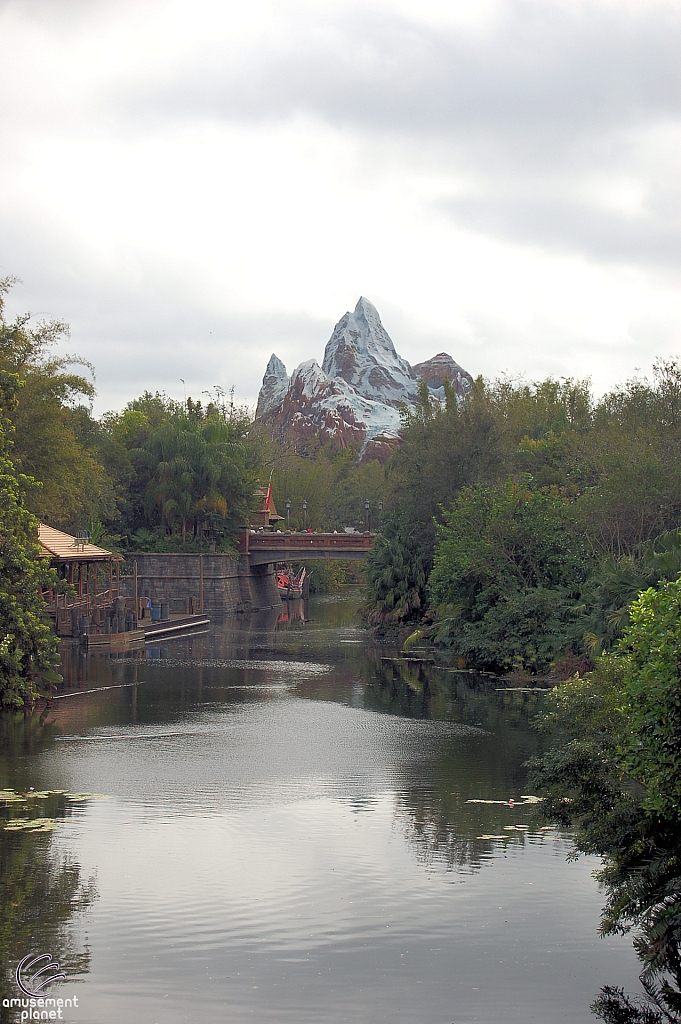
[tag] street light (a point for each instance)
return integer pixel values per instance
(305, 514)
(366, 514)
(288, 514)
(380, 514)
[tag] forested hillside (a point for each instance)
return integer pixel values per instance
(526, 518)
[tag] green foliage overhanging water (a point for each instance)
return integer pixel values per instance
(614, 778)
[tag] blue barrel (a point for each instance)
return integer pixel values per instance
(155, 612)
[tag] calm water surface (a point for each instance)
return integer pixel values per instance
(286, 837)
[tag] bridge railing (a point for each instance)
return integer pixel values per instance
(306, 541)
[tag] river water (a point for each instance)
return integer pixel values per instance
(281, 831)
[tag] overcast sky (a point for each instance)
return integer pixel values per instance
(193, 185)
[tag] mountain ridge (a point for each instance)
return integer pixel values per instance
(357, 393)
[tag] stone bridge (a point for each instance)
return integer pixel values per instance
(265, 548)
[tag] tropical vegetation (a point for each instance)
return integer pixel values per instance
(613, 777)
(28, 648)
(543, 513)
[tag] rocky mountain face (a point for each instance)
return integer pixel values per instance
(434, 371)
(361, 353)
(274, 387)
(357, 392)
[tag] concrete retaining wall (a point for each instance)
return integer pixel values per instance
(226, 583)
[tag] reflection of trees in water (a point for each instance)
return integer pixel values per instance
(22, 736)
(434, 836)
(404, 688)
(446, 832)
(418, 689)
(433, 813)
(41, 895)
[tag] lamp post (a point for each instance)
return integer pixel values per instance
(305, 514)
(367, 515)
(288, 514)
(380, 514)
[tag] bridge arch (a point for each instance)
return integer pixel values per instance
(265, 548)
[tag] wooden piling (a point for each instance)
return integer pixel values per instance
(137, 596)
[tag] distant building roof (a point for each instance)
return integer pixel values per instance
(267, 511)
(62, 547)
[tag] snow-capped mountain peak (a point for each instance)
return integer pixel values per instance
(355, 395)
(361, 352)
(274, 387)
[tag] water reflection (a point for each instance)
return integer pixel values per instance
(42, 897)
(290, 834)
(276, 654)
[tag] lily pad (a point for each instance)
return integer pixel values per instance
(82, 797)
(32, 825)
(511, 802)
(8, 796)
(504, 802)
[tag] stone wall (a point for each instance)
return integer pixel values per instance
(227, 583)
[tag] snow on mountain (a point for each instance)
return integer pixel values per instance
(361, 352)
(355, 395)
(317, 404)
(274, 387)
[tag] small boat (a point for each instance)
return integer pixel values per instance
(290, 585)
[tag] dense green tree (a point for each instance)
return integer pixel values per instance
(614, 778)
(628, 465)
(203, 473)
(506, 565)
(73, 485)
(445, 447)
(501, 429)
(602, 612)
(181, 472)
(653, 686)
(28, 648)
(615, 464)
(397, 569)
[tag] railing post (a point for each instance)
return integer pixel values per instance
(137, 597)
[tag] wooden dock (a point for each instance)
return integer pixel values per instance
(115, 641)
(147, 632)
(166, 629)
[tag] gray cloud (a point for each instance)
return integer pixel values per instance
(545, 97)
(563, 224)
(518, 117)
(145, 329)
(542, 72)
